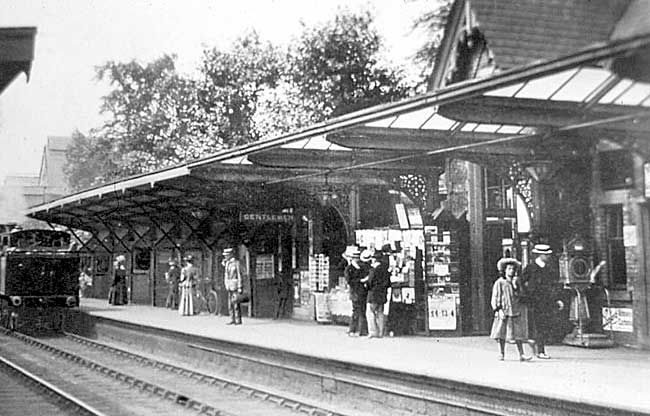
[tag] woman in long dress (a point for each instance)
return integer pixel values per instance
(509, 314)
(117, 294)
(188, 277)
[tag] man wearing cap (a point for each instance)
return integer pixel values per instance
(172, 277)
(541, 292)
(233, 282)
(354, 273)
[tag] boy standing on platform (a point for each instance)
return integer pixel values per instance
(172, 277)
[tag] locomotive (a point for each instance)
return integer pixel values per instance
(39, 279)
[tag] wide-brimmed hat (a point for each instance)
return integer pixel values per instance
(189, 258)
(366, 255)
(120, 258)
(502, 263)
(228, 250)
(351, 251)
(542, 249)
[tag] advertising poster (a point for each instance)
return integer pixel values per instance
(323, 313)
(618, 319)
(264, 266)
(442, 312)
(408, 295)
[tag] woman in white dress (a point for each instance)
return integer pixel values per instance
(189, 275)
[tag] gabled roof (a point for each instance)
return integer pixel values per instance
(519, 32)
(58, 143)
(52, 162)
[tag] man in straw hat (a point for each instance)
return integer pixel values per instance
(541, 291)
(509, 315)
(234, 285)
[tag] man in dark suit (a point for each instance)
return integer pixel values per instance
(541, 292)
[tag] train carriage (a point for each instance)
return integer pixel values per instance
(39, 279)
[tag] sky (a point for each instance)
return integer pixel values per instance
(75, 36)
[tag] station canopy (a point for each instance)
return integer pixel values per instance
(16, 53)
(544, 111)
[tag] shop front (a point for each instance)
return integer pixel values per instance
(429, 267)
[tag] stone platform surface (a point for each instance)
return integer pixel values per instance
(614, 377)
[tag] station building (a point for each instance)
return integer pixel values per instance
(528, 134)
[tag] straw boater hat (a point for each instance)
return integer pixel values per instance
(542, 249)
(227, 251)
(366, 255)
(352, 251)
(502, 263)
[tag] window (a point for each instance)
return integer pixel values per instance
(615, 249)
(498, 195)
(616, 169)
(142, 259)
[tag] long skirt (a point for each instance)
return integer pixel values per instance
(510, 328)
(117, 294)
(186, 304)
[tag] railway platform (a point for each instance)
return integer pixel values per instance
(616, 377)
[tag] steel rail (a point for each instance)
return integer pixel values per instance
(275, 398)
(143, 385)
(210, 379)
(59, 395)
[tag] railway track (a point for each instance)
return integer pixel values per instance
(24, 393)
(141, 385)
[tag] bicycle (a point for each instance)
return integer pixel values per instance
(203, 303)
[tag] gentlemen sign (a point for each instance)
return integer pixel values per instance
(266, 217)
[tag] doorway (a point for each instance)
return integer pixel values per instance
(334, 240)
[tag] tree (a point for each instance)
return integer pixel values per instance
(154, 121)
(433, 23)
(87, 161)
(282, 110)
(231, 84)
(336, 66)
(158, 118)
